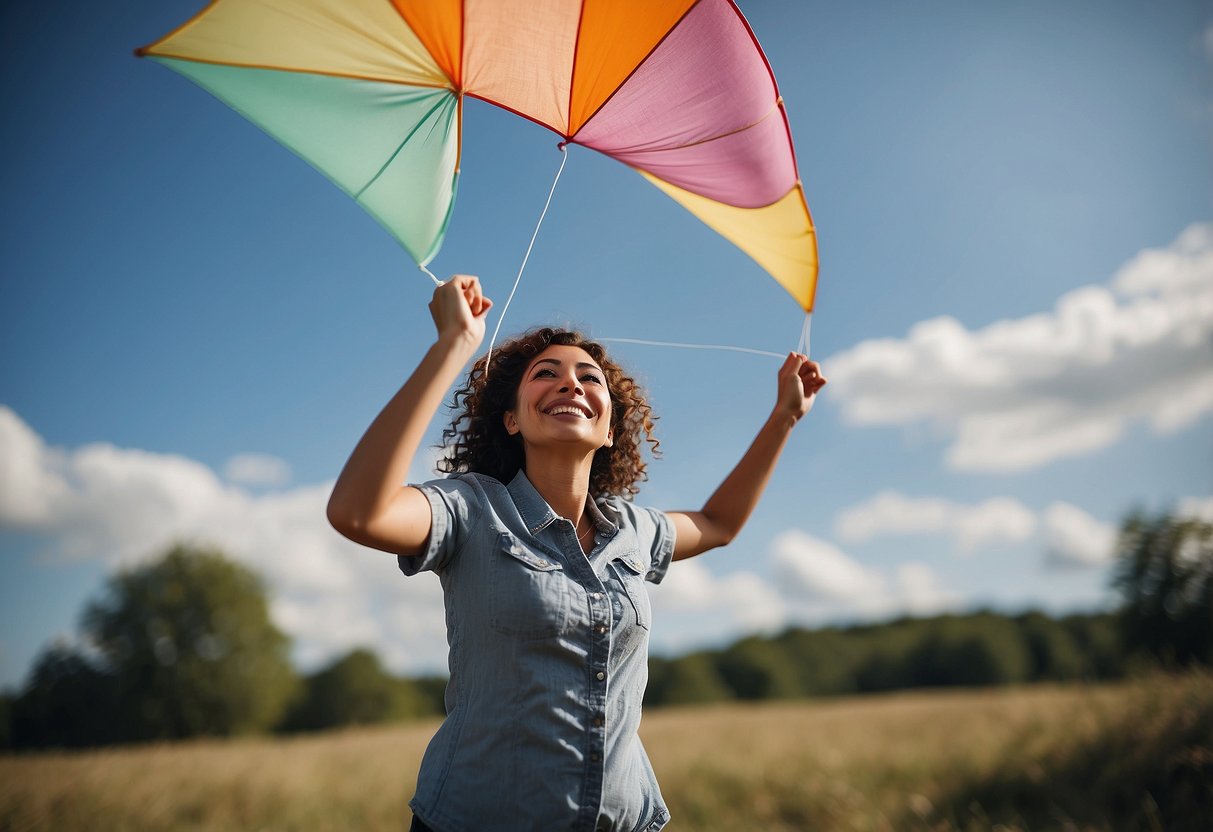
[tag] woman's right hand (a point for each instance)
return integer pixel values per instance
(460, 309)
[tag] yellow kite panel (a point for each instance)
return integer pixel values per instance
(353, 39)
(780, 237)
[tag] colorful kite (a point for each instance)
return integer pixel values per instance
(370, 93)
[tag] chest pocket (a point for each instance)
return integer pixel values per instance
(530, 595)
(630, 572)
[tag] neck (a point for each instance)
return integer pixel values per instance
(563, 482)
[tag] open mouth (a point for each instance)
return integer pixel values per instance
(570, 409)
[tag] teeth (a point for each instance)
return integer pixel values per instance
(565, 409)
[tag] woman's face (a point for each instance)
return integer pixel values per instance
(562, 399)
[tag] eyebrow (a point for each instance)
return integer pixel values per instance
(559, 363)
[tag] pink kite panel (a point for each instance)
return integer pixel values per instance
(748, 169)
(701, 113)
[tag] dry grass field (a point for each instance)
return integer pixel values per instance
(1137, 755)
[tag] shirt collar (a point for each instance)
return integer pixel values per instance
(536, 512)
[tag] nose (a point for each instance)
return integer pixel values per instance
(571, 383)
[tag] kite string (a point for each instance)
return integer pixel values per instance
(489, 356)
(691, 346)
(437, 282)
(802, 345)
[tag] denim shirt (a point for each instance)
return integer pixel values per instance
(548, 659)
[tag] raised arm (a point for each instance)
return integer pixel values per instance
(370, 503)
(727, 510)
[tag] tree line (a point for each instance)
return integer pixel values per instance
(185, 647)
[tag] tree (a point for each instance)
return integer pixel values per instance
(1165, 577)
(757, 668)
(1054, 654)
(354, 690)
(190, 647)
(688, 680)
(67, 703)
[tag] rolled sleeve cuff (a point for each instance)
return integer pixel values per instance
(437, 543)
(663, 547)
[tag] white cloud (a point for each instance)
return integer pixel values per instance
(1197, 508)
(1022, 393)
(819, 581)
(970, 527)
(123, 506)
(738, 601)
(257, 469)
(813, 582)
(1075, 538)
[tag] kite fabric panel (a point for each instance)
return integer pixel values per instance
(369, 93)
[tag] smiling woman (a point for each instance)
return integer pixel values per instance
(487, 433)
(543, 560)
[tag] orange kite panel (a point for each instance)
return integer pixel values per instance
(519, 54)
(439, 25)
(615, 36)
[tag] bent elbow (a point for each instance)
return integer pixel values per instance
(346, 522)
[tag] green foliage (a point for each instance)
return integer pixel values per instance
(823, 661)
(968, 650)
(6, 720)
(432, 690)
(979, 650)
(1098, 640)
(191, 649)
(1165, 576)
(689, 680)
(355, 690)
(68, 703)
(1054, 653)
(757, 668)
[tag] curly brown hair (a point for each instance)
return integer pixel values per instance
(477, 441)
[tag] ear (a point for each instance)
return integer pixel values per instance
(511, 424)
(610, 443)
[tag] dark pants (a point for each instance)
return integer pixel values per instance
(418, 826)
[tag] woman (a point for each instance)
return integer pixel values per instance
(542, 561)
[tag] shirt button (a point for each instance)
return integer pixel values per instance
(597, 596)
(600, 675)
(594, 757)
(598, 721)
(600, 628)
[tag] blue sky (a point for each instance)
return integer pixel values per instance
(1016, 224)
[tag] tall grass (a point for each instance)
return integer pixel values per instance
(1117, 757)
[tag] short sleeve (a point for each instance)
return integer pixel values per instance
(454, 508)
(654, 530)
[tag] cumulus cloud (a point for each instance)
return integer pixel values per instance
(123, 506)
(257, 469)
(820, 581)
(1075, 538)
(1197, 508)
(694, 597)
(1021, 393)
(970, 527)
(812, 582)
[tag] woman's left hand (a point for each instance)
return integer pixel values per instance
(799, 381)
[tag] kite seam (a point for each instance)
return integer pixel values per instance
(142, 53)
(636, 68)
(424, 119)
